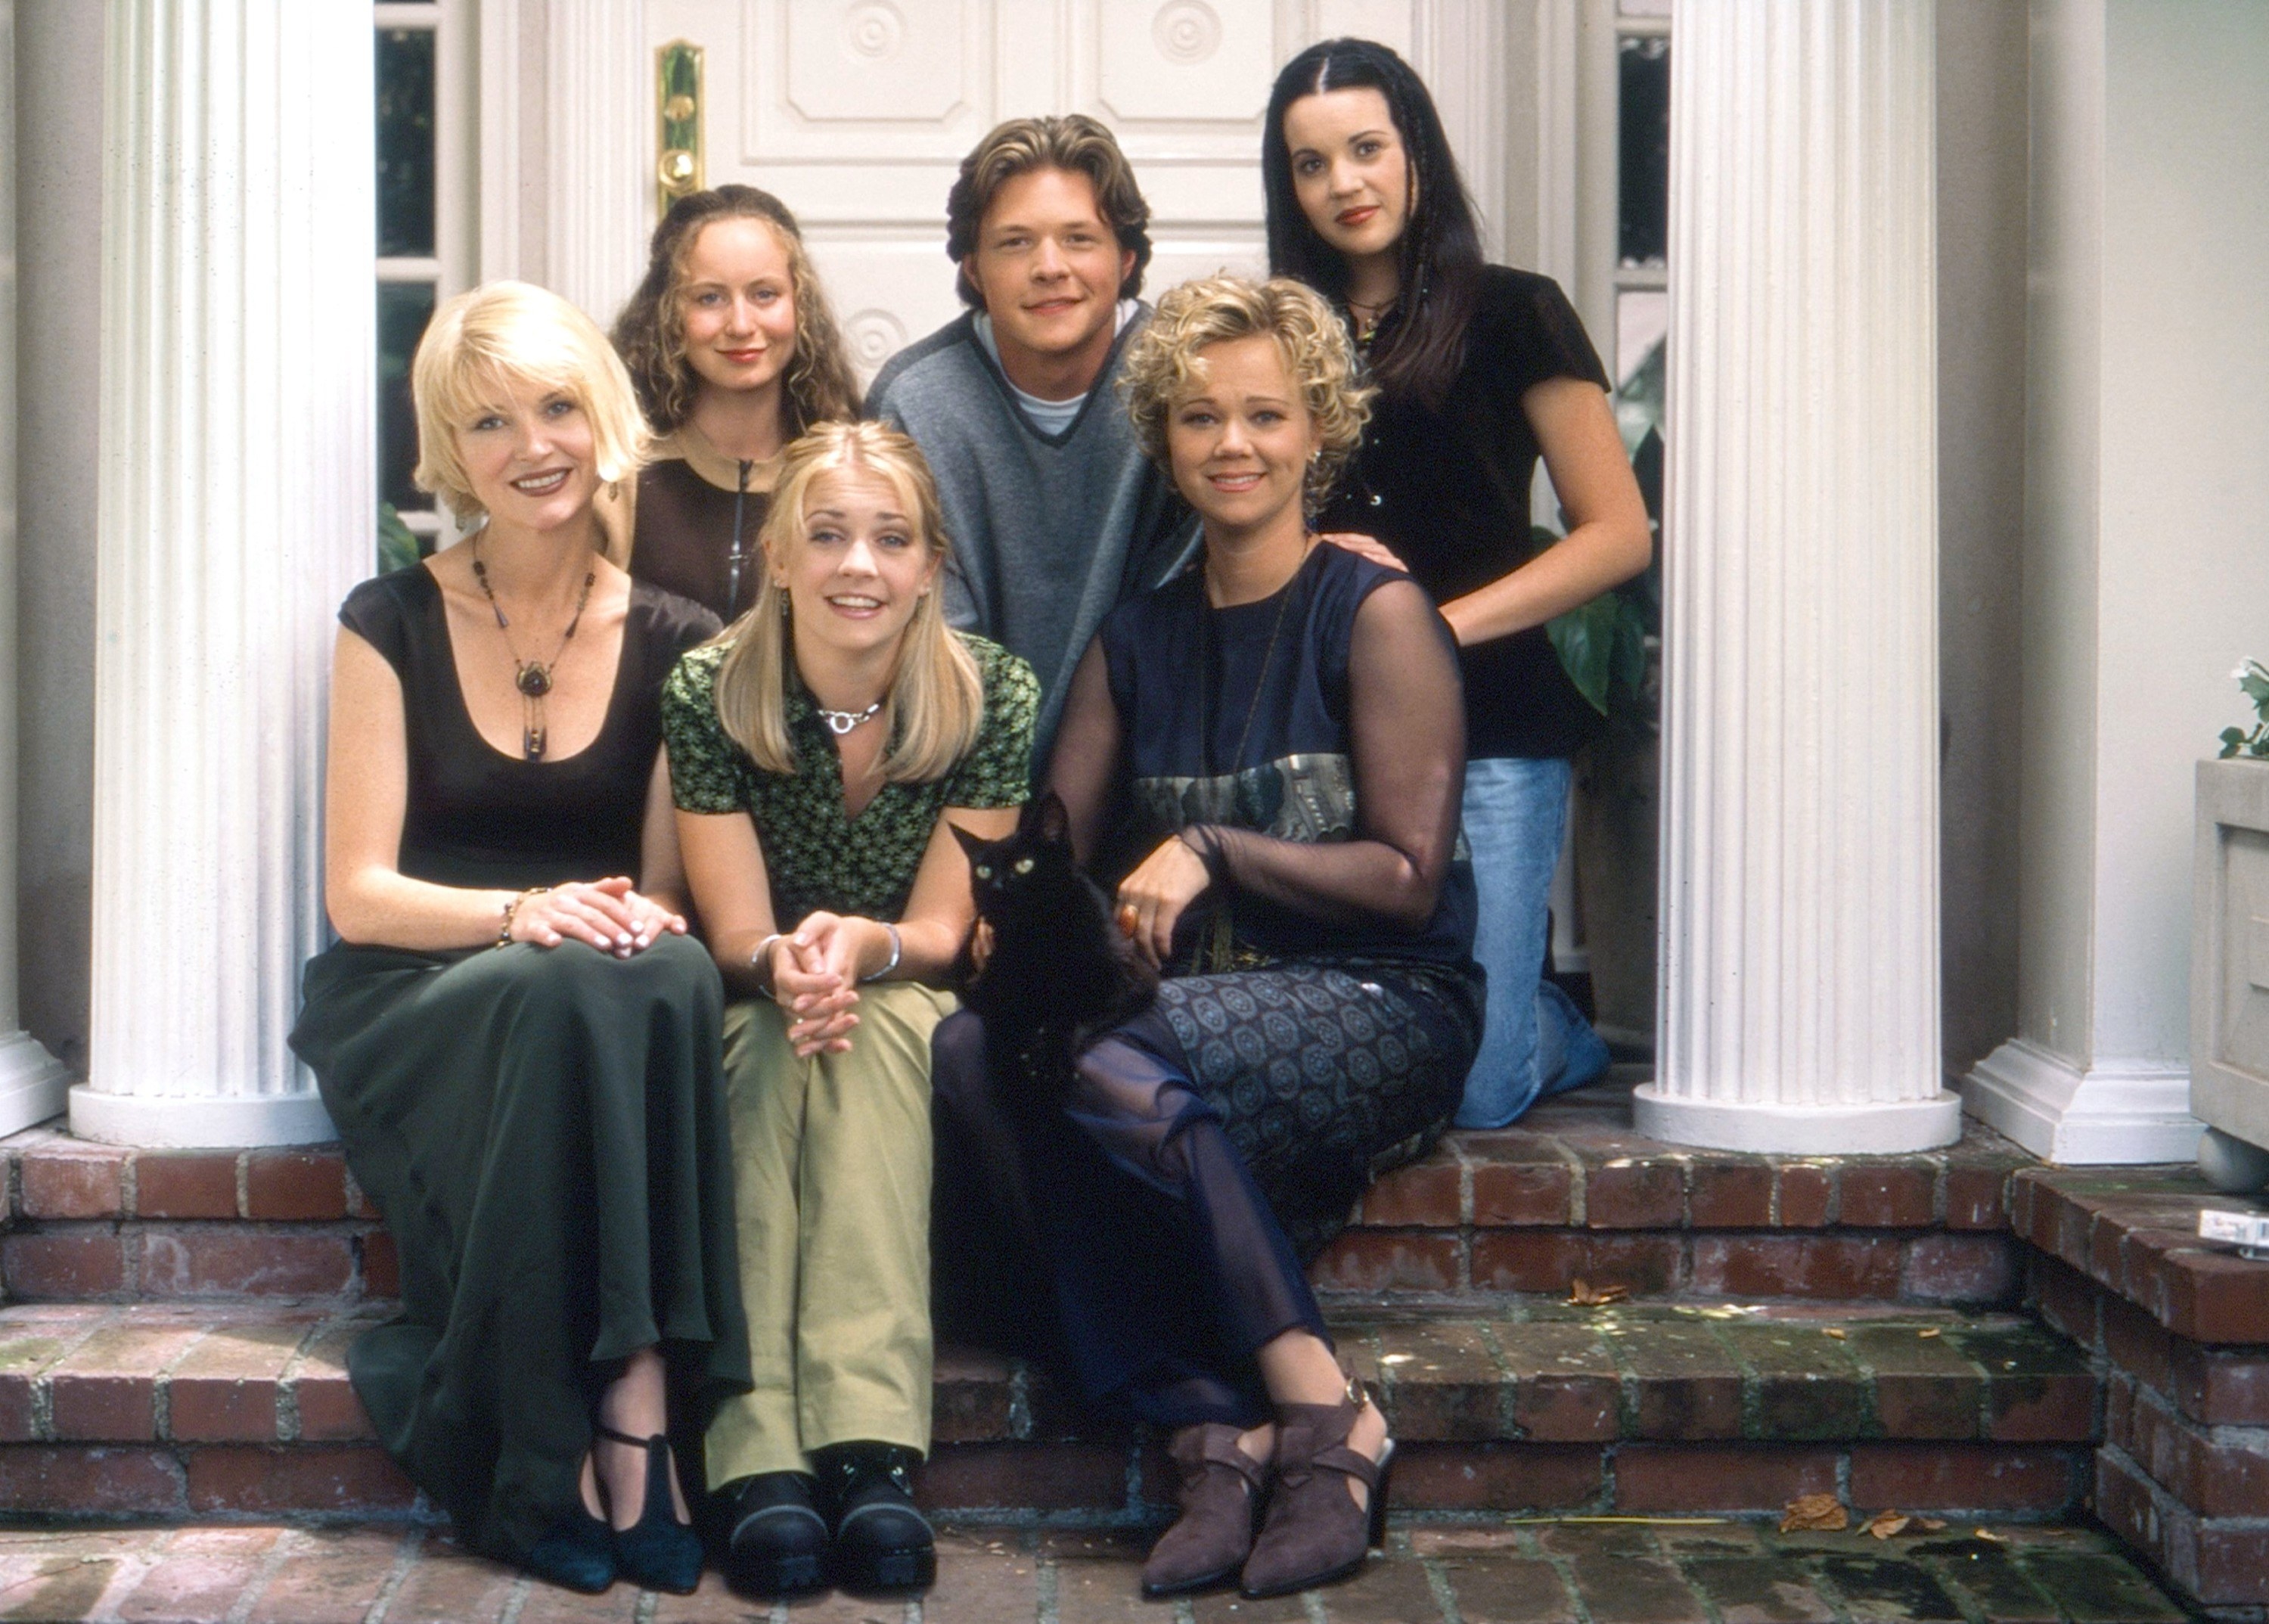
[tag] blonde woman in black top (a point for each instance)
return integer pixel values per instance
(734, 352)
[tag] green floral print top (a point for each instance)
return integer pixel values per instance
(815, 856)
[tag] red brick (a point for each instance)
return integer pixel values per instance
(224, 1390)
(1565, 1385)
(2214, 1476)
(1630, 1590)
(2065, 1299)
(27, 1348)
(978, 1581)
(307, 1477)
(1959, 1268)
(1511, 1590)
(106, 1389)
(68, 1267)
(193, 1184)
(2137, 1343)
(1389, 1260)
(254, 1261)
(1968, 1477)
(1925, 1387)
(328, 1410)
(449, 1585)
(202, 1574)
(1043, 1477)
(2040, 1404)
(1796, 1266)
(332, 1576)
(358, 1202)
(2216, 1297)
(72, 1183)
(1683, 1479)
(1507, 1193)
(1632, 1194)
(1552, 1260)
(1442, 1382)
(2233, 1563)
(1803, 1197)
(1689, 1385)
(1423, 1195)
(88, 1479)
(1392, 1592)
(295, 1185)
(2224, 1389)
(381, 1265)
(1888, 1195)
(1497, 1476)
(1976, 1197)
(1731, 1195)
(971, 1401)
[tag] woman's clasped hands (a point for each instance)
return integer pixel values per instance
(814, 978)
(608, 914)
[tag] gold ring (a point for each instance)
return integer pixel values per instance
(1130, 920)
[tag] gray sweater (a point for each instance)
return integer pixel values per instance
(1050, 532)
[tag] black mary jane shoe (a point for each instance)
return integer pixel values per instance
(775, 1540)
(657, 1553)
(882, 1542)
(578, 1554)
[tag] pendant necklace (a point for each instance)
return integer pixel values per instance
(532, 678)
(840, 722)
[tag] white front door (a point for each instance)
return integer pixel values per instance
(857, 113)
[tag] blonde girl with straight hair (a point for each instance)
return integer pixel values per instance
(822, 752)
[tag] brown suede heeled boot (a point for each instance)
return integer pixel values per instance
(1315, 1532)
(1220, 1493)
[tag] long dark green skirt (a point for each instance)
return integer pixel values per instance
(543, 1130)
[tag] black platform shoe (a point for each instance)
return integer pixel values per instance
(775, 1540)
(882, 1541)
(657, 1552)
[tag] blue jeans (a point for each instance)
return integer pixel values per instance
(1535, 1041)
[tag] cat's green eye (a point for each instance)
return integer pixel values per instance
(984, 871)
(1023, 865)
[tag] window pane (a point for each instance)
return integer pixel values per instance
(1643, 8)
(1644, 204)
(404, 309)
(405, 140)
(1642, 318)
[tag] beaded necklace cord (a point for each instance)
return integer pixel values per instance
(532, 678)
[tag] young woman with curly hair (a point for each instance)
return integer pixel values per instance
(1283, 728)
(735, 353)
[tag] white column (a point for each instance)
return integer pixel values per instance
(600, 158)
(31, 1080)
(236, 496)
(1800, 1005)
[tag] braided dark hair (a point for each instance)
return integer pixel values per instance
(1421, 344)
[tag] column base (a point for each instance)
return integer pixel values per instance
(215, 1121)
(2121, 1113)
(32, 1083)
(1797, 1130)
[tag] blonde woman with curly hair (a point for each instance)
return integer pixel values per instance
(822, 752)
(514, 1034)
(734, 352)
(1284, 724)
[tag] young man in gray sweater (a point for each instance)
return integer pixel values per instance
(1054, 515)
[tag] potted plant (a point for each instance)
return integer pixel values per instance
(2230, 950)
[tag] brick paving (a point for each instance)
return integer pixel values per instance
(1565, 1573)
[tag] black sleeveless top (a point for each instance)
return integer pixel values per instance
(479, 817)
(1182, 674)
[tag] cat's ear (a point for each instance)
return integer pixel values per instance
(970, 844)
(1048, 817)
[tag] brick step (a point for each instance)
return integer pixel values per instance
(246, 1410)
(1571, 1195)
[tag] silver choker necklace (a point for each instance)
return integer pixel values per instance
(840, 722)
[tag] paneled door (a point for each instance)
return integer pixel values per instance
(857, 113)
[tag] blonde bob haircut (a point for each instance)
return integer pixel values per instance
(1165, 364)
(514, 331)
(934, 703)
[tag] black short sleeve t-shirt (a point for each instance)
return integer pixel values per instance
(1448, 490)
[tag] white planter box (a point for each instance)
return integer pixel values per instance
(2230, 950)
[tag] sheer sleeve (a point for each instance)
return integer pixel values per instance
(1084, 766)
(1407, 741)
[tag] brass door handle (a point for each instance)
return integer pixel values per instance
(677, 121)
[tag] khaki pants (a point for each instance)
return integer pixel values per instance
(830, 1187)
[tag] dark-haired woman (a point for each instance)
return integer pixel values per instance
(734, 352)
(1480, 369)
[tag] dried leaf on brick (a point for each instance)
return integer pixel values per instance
(1583, 1293)
(1823, 1513)
(1883, 1525)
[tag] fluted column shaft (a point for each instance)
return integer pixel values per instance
(236, 498)
(32, 1081)
(1799, 878)
(599, 105)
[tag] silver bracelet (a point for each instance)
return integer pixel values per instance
(761, 955)
(891, 963)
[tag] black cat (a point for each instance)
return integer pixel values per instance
(1059, 973)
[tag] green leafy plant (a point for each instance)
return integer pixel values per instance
(2252, 677)
(397, 542)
